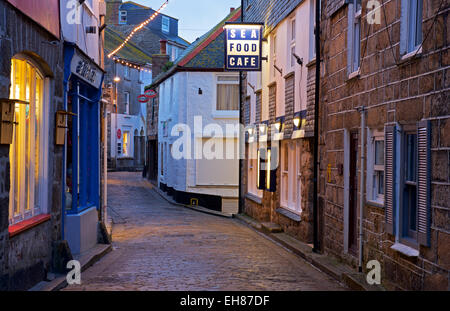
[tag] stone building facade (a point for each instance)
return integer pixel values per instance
(28, 233)
(397, 68)
(281, 95)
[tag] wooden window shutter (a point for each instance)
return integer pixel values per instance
(389, 167)
(262, 156)
(423, 182)
(272, 186)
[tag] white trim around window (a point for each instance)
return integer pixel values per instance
(226, 86)
(375, 187)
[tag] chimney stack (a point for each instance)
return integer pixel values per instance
(161, 59)
(163, 46)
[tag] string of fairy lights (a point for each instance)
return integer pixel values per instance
(129, 64)
(128, 38)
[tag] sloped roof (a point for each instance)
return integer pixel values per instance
(206, 52)
(130, 51)
(130, 4)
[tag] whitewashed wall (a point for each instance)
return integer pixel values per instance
(185, 105)
(302, 15)
(76, 32)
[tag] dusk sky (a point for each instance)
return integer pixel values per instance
(195, 16)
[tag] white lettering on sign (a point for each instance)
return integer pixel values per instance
(243, 46)
(86, 70)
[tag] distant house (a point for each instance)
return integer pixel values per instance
(166, 27)
(196, 91)
(127, 117)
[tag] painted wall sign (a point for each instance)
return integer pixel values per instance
(150, 93)
(86, 69)
(44, 12)
(143, 98)
(243, 47)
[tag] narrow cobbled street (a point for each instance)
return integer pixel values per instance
(160, 246)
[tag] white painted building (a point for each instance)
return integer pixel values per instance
(197, 103)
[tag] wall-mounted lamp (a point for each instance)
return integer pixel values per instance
(7, 119)
(60, 128)
(279, 124)
(200, 91)
(262, 129)
(298, 58)
(297, 122)
(299, 119)
(116, 79)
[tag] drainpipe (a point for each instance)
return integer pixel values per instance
(362, 110)
(316, 247)
(241, 121)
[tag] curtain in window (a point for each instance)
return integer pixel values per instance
(227, 97)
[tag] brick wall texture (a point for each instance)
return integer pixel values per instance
(393, 91)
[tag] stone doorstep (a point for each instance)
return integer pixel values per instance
(326, 263)
(271, 227)
(86, 260)
(195, 208)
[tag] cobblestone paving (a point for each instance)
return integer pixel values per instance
(160, 246)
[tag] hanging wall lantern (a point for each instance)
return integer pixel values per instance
(7, 119)
(60, 127)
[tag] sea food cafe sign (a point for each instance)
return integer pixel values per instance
(243, 47)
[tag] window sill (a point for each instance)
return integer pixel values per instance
(375, 203)
(417, 53)
(354, 75)
(253, 198)
(287, 213)
(405, 250)
(27, 224)
(232, 114)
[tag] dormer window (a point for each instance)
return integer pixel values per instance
(165, 24)
(123, 17)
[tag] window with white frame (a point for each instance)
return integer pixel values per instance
(411, 25)
(291, 44)
(290, 176)
(127, 103)
(123, 17)
(227, 93)
(165, 24)
(375, 166)
(27, 165)
(354, 36)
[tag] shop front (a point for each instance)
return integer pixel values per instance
(81, 197)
